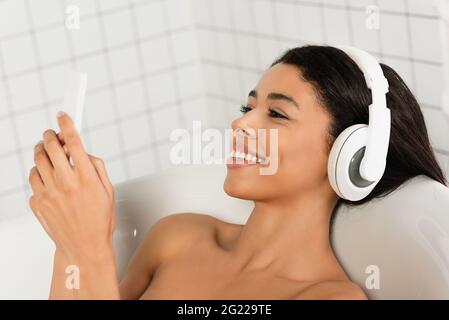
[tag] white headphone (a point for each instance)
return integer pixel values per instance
(358, 156)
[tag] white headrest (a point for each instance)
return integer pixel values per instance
(403, 236)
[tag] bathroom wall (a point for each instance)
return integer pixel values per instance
(239, 39)
(156, 65)
(143, 81)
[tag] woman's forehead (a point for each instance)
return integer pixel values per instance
(284, 78)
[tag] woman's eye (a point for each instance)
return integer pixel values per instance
(275, 114)
(244, 109)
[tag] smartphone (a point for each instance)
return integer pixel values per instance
(76, 86)
(75, 92)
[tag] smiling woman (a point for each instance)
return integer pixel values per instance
(308, 96)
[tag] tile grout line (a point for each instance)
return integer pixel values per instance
(410, 46)
(133, 116)
(101, 88)
(173, 68)
(42, 89)
(8, 97)
(144, 80)
(112, 87)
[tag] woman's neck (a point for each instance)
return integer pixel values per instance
(290, 237)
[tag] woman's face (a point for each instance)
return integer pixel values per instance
(302, 148)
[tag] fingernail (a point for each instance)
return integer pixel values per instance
(60, 114)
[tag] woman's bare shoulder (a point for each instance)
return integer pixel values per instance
(333, 290)
(185, 226)
(182, 230)
(166, 238)
(189, 219)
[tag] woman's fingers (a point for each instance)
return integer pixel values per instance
(34, 207)
(43, 165)
(102, 173)
(61, 140)
(35, 180)
(74, 145)
(66, 151)
(98, 164)
(57, 155)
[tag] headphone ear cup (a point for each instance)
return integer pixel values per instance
(343, 167)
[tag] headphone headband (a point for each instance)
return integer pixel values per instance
(374, 160)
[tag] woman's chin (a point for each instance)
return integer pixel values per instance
(232, 188)
(238, 189)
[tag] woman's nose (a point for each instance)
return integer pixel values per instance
(242, 122)
(235, 124)
(249, 123)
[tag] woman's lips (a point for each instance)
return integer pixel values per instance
(238, 163)
(240, 160)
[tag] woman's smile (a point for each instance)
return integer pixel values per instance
(240, 159)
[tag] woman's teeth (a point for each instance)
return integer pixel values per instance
(245, 156)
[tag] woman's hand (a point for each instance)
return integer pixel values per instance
(75, 204)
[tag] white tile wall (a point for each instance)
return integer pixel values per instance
(438, 129)
(424, 45)
(157, 65)
(142, 163)
(41, 15)
(428, 73)
(165, 120)
(95, 66)
(119, 28)
(12, 19)
(156, 54)
(310, 24)
(18, 54)
(161, 90)
(150, 19)
(13, 204)
(394, 43)
(3, 104)
(336, 33)
(98, 105)
(238, 39)
(31, 125)
(111, 4)
(8, 144)
(88, 38)
(363, 37)
(130, 95)
(136, 133)
(106, 141)
(393, 6)
(53, 85)
(143, 80)
(124, 64)
(11, 173)
(33, 94)
(116, 170)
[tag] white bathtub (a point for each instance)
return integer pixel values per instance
(405, 235)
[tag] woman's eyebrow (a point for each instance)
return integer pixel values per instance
(275, 96)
